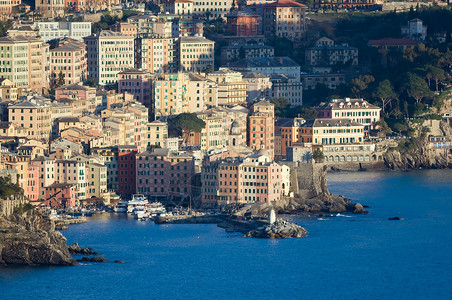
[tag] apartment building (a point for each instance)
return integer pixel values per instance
(7, 8)
(239, 180)
(415, 30)
(224, 128)
(138, 83)
(157, 133)
(330, 132)
(201, 93)
(243, 23)
(284, 18)
(231, 86)
(330, 80)
(8, 91)
(195, 54)
(178, 7)
(68, 62)
(59, 30)
(25, 61)
(288, 87)
(165, 174)
(50, 8)
(81, 99)
(170, 95)
(109, 53)
(261, 127)
(155, 54)
(239, 51)
(357, 110)
(326, 53)
(288, 129)
(127, 174)
(267, 65)
(258, 86)
(34, 115)
(213, 9)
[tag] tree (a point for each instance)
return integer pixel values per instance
(383, 127)
(436, 74)
(361, 83)
(416, 87)
(318, 155)
(187, 123)
(60, 79)
(309, 113)
(400, 127)
(281, 104)
(384, 92)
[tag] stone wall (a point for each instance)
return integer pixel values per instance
(307, 179)
(7, 205)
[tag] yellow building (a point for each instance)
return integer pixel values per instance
(8, 91)
(50, 8)
(331, 132)
(232, 89)
(157, 133)
(34, 115)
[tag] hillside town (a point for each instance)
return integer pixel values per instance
(210, 103)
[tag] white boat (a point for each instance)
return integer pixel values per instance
(140, 212)
(137, 200)
(121, 207)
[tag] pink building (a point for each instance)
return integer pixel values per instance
(138, 83)
(60, 195)
(33, 183)
(68, 58)
(78, 91)
(161, 173)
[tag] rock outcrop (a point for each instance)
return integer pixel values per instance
(278, 230)
(31, 239)
(420, 154)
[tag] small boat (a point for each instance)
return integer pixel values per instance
(140, 212)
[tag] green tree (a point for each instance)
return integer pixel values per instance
(400, 127)
(318, 155)
(360, 84)
(436, 74)
(187, 123)
(60, 79)
(281, 104)
(416, 87)
(384, 92)
(383, 126)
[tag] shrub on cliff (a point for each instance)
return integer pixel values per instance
(7, 188)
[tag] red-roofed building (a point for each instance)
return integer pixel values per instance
(385, 44)
(284, 18)
(127, 170)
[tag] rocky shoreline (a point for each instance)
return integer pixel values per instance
(31, 239)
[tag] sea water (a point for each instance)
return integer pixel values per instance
(343, 257)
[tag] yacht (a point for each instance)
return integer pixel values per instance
(121, 207)
(137, 200)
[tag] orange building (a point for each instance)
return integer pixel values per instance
(68, 59)
(261, 127)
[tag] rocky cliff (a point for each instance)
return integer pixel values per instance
(31, 239)
(418, 153)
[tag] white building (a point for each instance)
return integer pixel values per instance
(415, 30)
(59, 30)
(109, 53)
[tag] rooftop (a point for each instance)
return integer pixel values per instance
(263, 62)
(285, 3)
(393, 42)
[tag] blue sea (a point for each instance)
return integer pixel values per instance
(344, 257)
